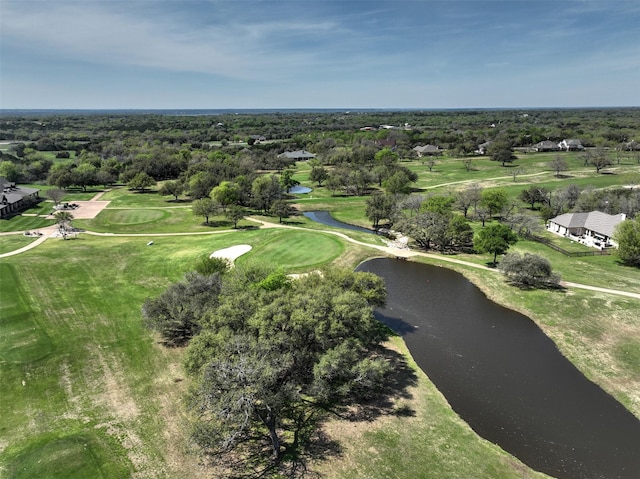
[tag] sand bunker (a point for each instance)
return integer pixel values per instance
(232, 252)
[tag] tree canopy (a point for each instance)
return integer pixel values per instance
(270, 355)
(529, 270)
(628, 237)
(495, 238)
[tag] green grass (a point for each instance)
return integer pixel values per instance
(24, 223)
(78, 456)
(297, 250)
(154, 220)
(23, 340)
(13, 242)
(122, 197)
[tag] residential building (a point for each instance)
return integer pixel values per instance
(297, 155)
(594, 229)
(14, 198)
(571, 145)
(427, 150)
(546, 145)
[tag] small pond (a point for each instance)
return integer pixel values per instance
(505, 377)
(300, 190)
(325, 218)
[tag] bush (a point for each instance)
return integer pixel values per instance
(530, 270)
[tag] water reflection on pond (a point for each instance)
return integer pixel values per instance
(505, 377)
(325, 218)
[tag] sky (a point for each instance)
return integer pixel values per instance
(420, 54)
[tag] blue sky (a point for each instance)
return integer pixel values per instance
(318, 54)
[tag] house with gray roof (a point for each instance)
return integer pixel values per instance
(297, 155)
(427, 150)
(594, 229)
(571, 145)
(14, 198)
(546, 145)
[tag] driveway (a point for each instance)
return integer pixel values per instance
(86, 209)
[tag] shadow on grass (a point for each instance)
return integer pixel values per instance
(309, 443)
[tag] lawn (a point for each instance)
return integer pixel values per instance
(13, 242)
(155, 220)
(122, 197)
(24, 223)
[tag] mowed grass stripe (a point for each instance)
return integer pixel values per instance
(21, 338)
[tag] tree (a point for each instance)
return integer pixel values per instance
(63, 220)
(427, 229)
(501, 151)
(56, 195)
(281, 209)
(226, 193)
(141, 182)
(287, 181)
(201, 184)
(318, 174)
(265, 371)
(379, 206)
(431, 163)
(459, 232)
(627, 235)
(439, 204)
(597, 157)
(535, 194)
(204, 207)
(413, 203)
(386, 157)
(468, 197)
(265, 190)
(84, 175)
(206, 265)
(558, 164)
(105, 177)
(495, 238)
(234, 214)
(177, 313)
(397, 184)
(516, 171)
(529, 270)
(523, 224)
(494, 200)
(171, 188)
(468, 164)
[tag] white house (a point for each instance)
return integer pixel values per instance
(571, 145)
(594, 229)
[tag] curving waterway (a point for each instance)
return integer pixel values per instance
(325, 218)
(505, 377)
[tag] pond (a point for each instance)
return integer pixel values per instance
(300, 190)
(325, 218)
(505, 377)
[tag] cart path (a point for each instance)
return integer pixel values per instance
(389, 250)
